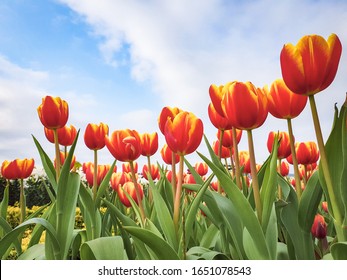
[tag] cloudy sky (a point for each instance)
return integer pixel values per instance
(120, 62)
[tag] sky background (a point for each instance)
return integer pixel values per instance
(121, 62)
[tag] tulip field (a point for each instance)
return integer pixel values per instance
(227, 206)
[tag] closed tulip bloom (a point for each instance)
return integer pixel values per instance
(227, 140)
(101, 173)
(245, 162)
(17, 169)
(119, 179)
(284, 168)
(311, 65)
(53, 112)
(165, 114)
(66, 135)
(244, 105)
(183, 134)
(124, 145)
(283, 103)
(166, 155)
(149, 143)
(218, 120)
(319, 227)
(127, 169)
(94, 136)
(307, 152)
(154, 171)
(129, 187)
(216, 95)
(225, 151)
(284, 143)
(62, 160)
(201, 168)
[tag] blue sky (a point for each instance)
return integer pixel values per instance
(121, 62)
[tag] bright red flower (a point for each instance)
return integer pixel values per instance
(119, 179)
(218, 120)
(94, 136)
(17, 169)
(244, 105)
(201, 168)
(66, 135)
(101, 173)
(216, 95)
(311, 65)
(283, 103)
(127, 169)
(154, 171)
(166, 154)
(149, 144)
(245, 162)
(53, 112)
(319, 227)
(225, 151)
(124, 145)
(62, 160)
(227, 140)
(183, 134)
(129, 187)
(284, 168)
(284, 144)
(307, 152)
(165, 114)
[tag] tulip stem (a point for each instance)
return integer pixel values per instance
(255, 182)
(95, 174)
(173, 177)
(236, 159)
(324, 161)
(295, 161)
(177, 203)
(57, 154)
(279, 189)
(138, 195)
(219, 188)
(22, 202)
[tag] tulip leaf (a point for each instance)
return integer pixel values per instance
(158, 245)
(339, 251)
(3, 207)
(104, 184)
(36, 252)
(103, 248)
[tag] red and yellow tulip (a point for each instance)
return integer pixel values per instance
(53, 112)
(94, 135)
(17, 169)
(284, 143)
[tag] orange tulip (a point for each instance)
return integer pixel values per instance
(218, 120)
(17, 169)
(201, 168)
(183, 134)
(319, 227)
(244, 105)
(283, 103)
(53, 112)
(307, 152)
(62, 160)
(225, 151)
(154, 171)
(149, 143)
(227, 140)
(245, 162)
(216, 94)
(284, 168)
(311, 65)
(284, 144)
(127, 169)
(325, 206)
(165, 114)
(166, 154)
(66, 135)
(119, 179)
(124, 145)
(94, 136)
(129, 187)
(101, 173)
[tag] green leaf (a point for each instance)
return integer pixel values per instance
(271, 234)
(104, 185)
(339, 251)
(210, 236)
(3, 207)
(103, 248)
(36, 252)
(159, 246)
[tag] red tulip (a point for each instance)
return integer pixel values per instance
(284, 168)
(311, 65)
(225, 151)
(66, 135)
(325, 206)
(124, 145)
(53, 112)
(154, 171)
(216, 94)
(244, 105)
(218, 120)
(319, 227)
(284, 143)
(245, 162)
(129, 187)
(94, 136)
(307, 152)
(149, 143)
(119, 179)
(127, 169)
(17, 169)
(101, 173)
(183, 134)
(283, 103)
(227, 140)
(165, 114)
(166, 154)
(201, 168)
(62, 160)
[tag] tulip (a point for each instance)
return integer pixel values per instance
(245, 162)
(94, 136)
(149, 143)
(201, 168)
(284, 143)
(166, 154)
(219, 121)
(325, 206)
(119, 179)
(165, 114)
(216, 94)
(130, 188)
(319, 227)
(127, 168)
(311, 65)
(307, 152)
(225, 153)
(66, 135)
(153, 171)
(284, 168)
(18, 169)
(100, 175)
(53, 112)
(63, 155)
(227, 139)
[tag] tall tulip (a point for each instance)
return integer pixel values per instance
(167, 154)
(201, 168)
(18, 169)
(284, 143)
(149, 145)
(66, 135)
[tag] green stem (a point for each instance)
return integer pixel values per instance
(138, 196)
(149, 175)
(57, 154)
(295, 161)
(173, 177)
(95, 175)
(177, 202)
(219, 188)
(255, 183)
(22, 202)
(324, 161)
(279, 189)
(237, 160)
